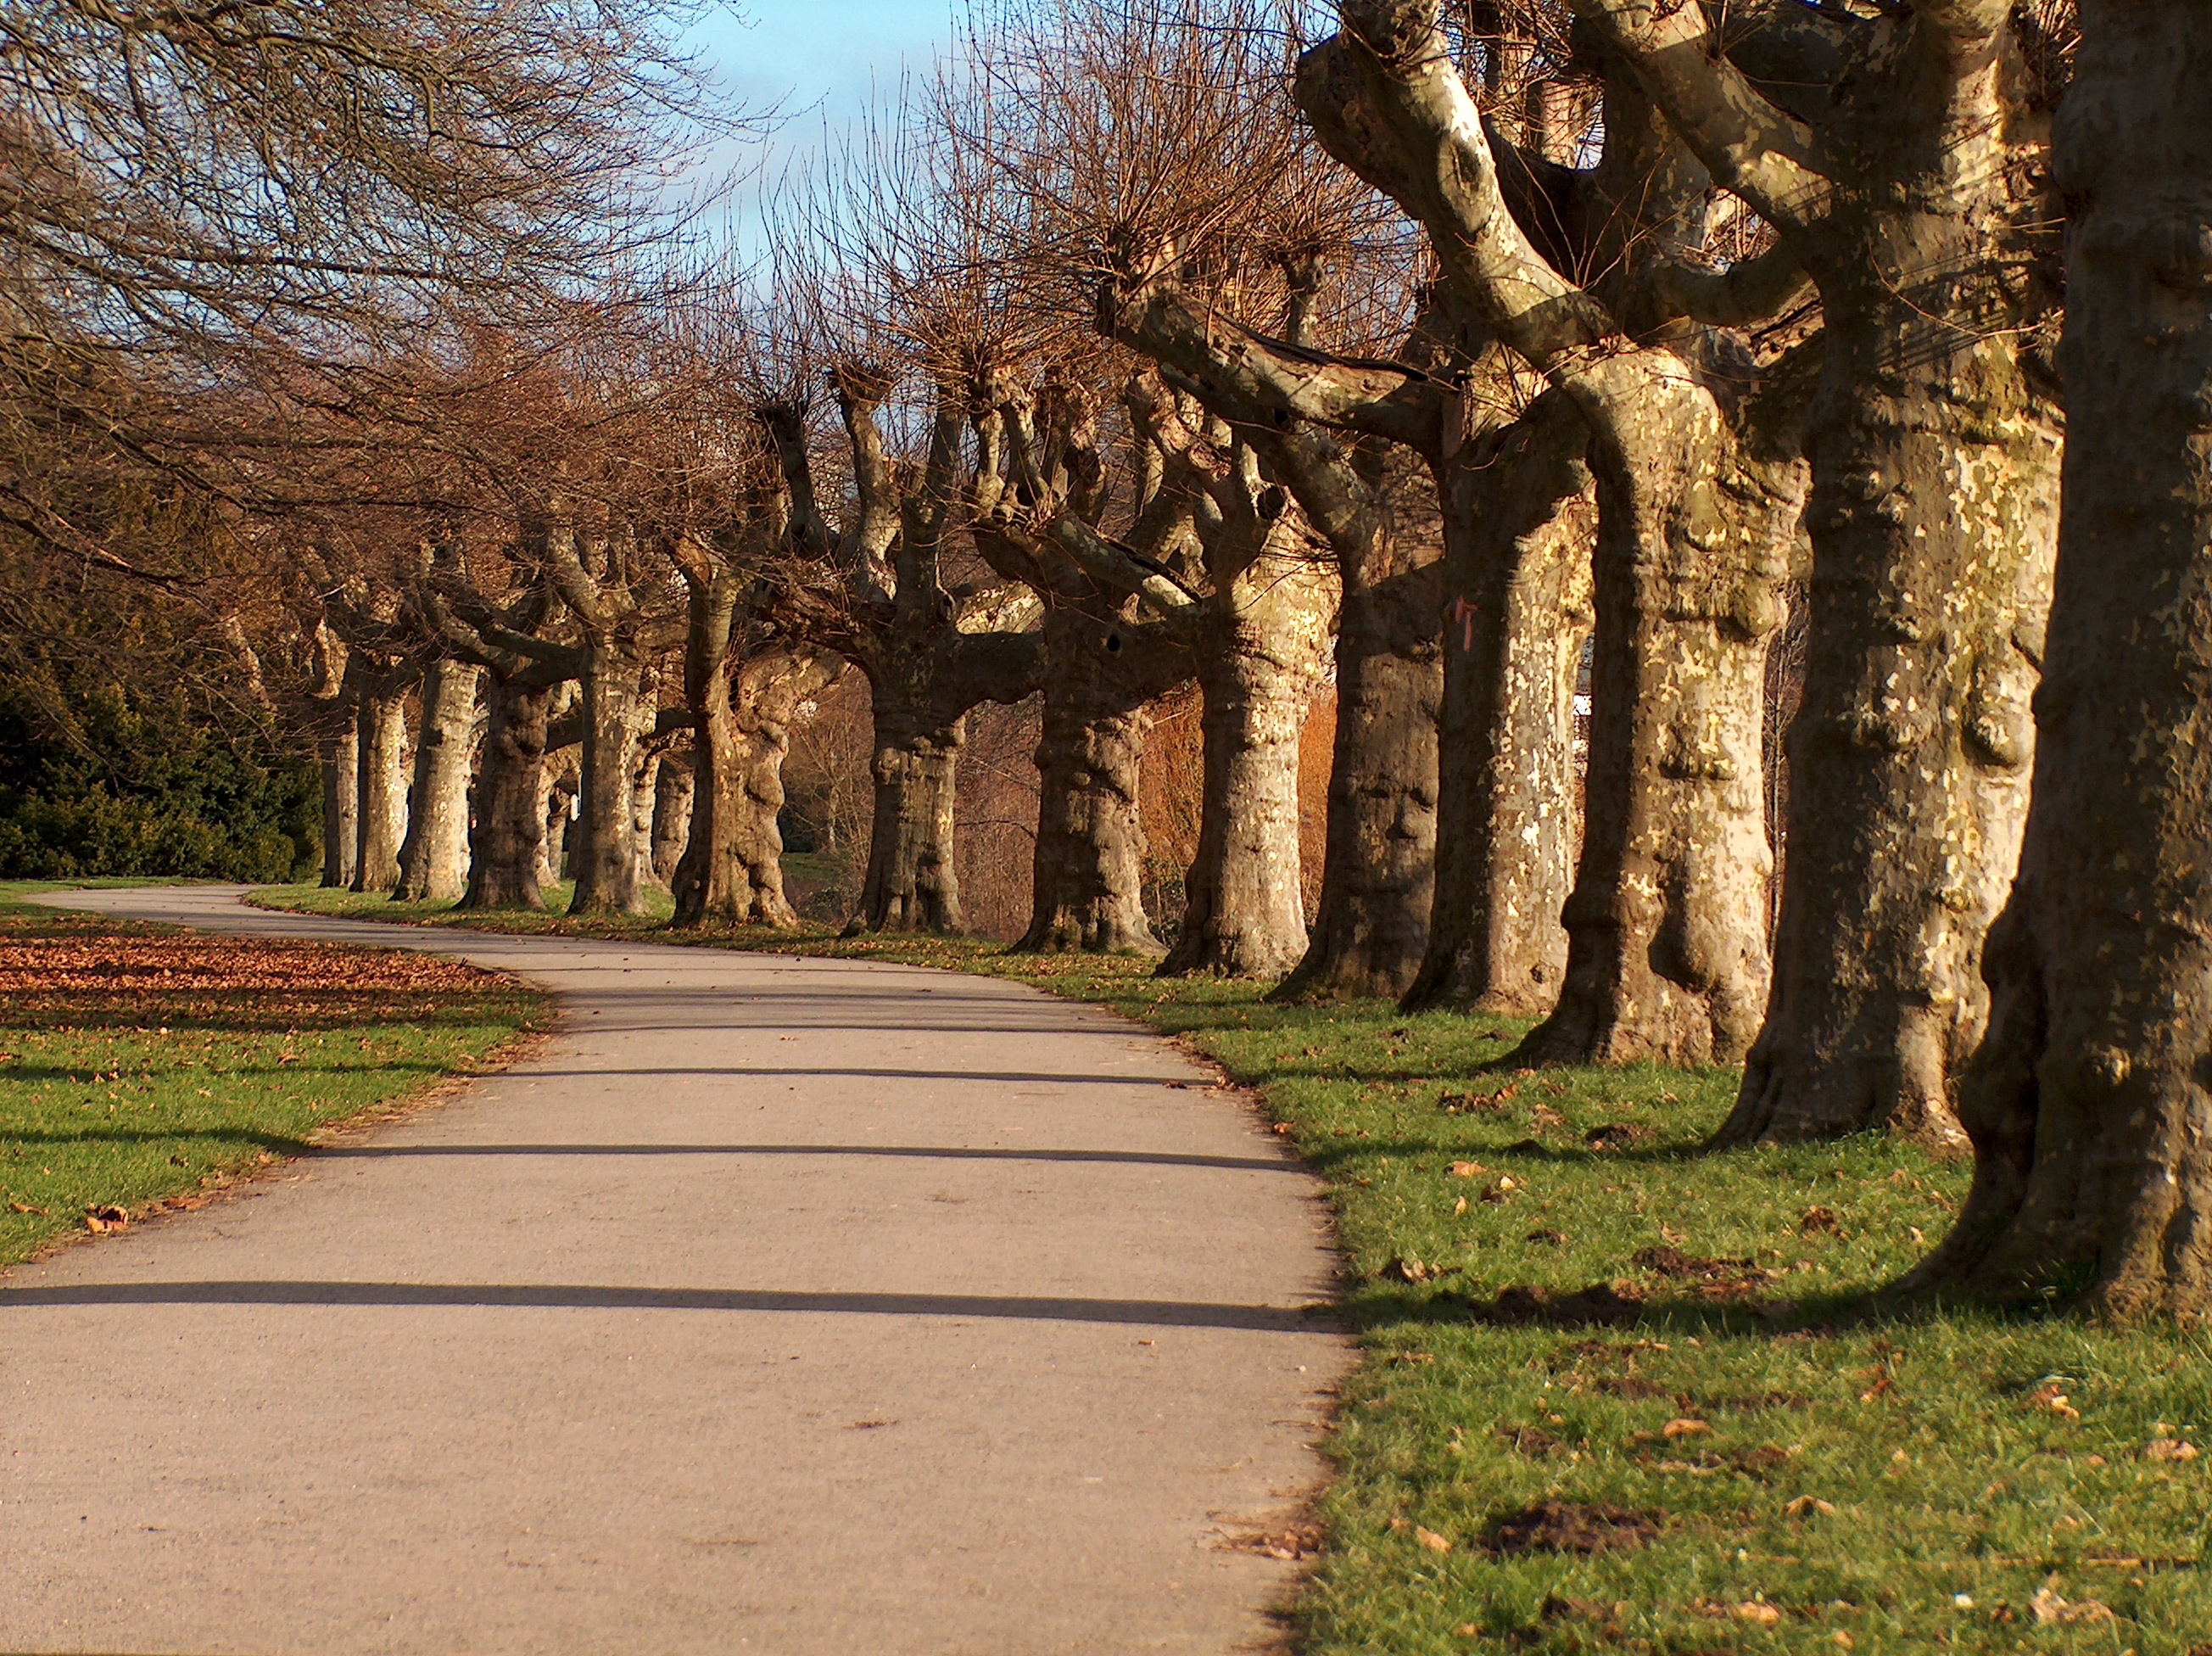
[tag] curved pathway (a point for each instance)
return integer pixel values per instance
(776, 1304)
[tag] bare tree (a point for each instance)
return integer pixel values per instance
(1900, 155)
(2087, 1097)
(1698, 504)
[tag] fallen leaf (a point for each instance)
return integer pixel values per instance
(1432, 1540)
(1684, 1428)
(1467, 1169)
(1765, 1615)
(2051, 1611)
(1459, 1207)
(2048, 1396)
(1411, 1269)
(2169, 1449)
(26, 1207)
(1818, 1220)
(1841, 1638)
(1804, 1504)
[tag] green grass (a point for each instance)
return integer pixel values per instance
(1903, 1483)
(136, 1094)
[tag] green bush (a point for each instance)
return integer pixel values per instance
(96, 779)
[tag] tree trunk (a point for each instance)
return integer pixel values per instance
(1378, 864)
(644, 800)
(1089, 866)
(380, 794)
(1518, 523)
(507, 838)
(1933, 517)
(1244, 913)
(910, 884)
(1667, 954)
(341, 763)
(2089, 1100)
(603, 849)
(434, 861)
(732, 868)
(672, 792)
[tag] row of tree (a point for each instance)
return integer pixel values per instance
(1485, 362)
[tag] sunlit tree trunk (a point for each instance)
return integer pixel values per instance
(2089, 1101)
(433, 862)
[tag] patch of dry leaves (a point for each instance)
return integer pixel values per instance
(96, 975)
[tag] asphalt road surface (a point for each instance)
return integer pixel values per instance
(771, 1305)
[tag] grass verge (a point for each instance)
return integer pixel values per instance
(1714, 1454)
(141, 1067)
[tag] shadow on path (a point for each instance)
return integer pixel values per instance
(1162, 1313)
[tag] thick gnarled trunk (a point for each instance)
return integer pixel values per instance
(1378, 874)
(603, 851)
(731, 873)
(1933, 518)
(380, 793)
(507, 838)
(1518, 524)
(1244, 913)
(341, 766)
(1089, 865)
(910, 884)
(1667, 958)
(673, 789)
(433, 862)
(2089, 1100)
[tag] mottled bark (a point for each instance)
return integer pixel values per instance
(380, 793)
(1901, 158)
(340, 759)
(1244, 913)
(507, 838)
(1667, 955)
(603, 852)
(1518, 524)
(433, 862)
(644, 795)
(731, 873)
(1089, 866)
(910, 884)
(1378, 870)
(2089, 1102)
(672, 792)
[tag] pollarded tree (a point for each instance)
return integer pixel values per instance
(875, 594)
(2088, 1101)
(618, 590)
(1254, 600)
(1039, 478)
(1900, 152)
(1697, 508)
(1511, 493)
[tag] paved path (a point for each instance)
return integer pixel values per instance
(776, 1304)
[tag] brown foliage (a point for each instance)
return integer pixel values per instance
(93, 974)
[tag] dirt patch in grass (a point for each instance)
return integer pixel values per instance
(1585, 1529)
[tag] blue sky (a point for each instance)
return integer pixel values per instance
(819, 57)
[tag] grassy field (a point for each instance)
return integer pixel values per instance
(1617, 1395)
(141, 1067)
